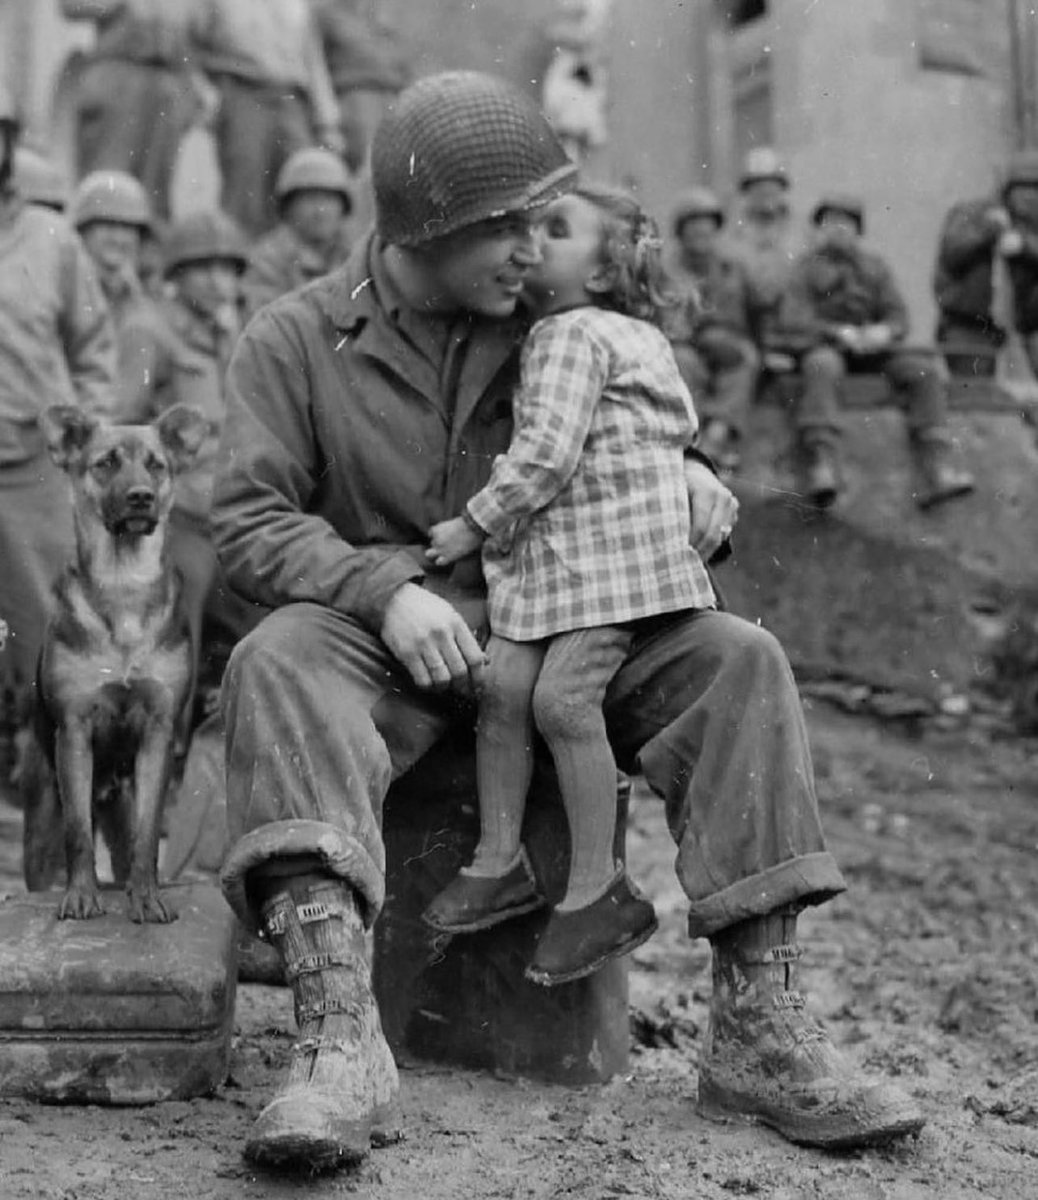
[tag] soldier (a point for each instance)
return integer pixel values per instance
(275, 97)
(56, 347)
(843, 312)
(314, 194)
(986, 275)
(362, 410)
(111, 213)
(763, 236)
(368, 63)
(136, 95)
(713, 330)
(177, 352)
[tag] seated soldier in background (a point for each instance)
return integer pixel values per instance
(843, 312)
(712, 329)
(111, 213)
(314, 196)
(761, 236)
(177, 352)
(986, 275)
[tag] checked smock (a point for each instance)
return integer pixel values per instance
(587, 514)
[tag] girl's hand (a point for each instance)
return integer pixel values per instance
(451, 540)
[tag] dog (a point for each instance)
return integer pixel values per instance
(115, 669)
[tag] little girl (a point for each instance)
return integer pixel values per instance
(584, 526)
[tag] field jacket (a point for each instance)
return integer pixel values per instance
(344, 443)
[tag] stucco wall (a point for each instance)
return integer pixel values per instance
(855, 112)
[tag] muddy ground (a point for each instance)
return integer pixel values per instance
(925, 973)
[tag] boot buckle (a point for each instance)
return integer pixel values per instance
(324, 1008)
(787, 1000)
(307, 964)
(311, 1045)
(782, 954)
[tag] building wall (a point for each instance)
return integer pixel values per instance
(853, 110)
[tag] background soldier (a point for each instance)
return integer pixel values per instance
(314, 195)
(713, 330)
(843, 312)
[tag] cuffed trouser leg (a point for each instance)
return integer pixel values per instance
(816, 410)
(708, 709)
(319, 719)
(735, 386)
(918, 380)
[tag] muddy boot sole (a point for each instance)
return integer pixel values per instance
(302, 1128)
(895, 1116)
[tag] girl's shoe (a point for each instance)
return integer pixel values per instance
(473, 902)
(576, 943)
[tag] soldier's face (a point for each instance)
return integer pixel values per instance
(208, 286)
(114, 247)
(482, 269)
(316, 215)
(1022, 202)
(698, 234)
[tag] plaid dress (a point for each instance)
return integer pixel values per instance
(587, 514)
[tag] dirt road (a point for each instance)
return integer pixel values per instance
(926, 972)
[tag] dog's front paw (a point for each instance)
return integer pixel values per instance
(145, 905)
(79, 904)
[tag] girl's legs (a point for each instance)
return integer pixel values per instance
(504, 751)
(567, 707)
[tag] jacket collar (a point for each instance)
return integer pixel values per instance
(351, 300)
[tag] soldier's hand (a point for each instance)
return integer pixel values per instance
(1011, 243)
(430, 638)
(714, 509)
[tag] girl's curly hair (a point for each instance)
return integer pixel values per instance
(633, 252)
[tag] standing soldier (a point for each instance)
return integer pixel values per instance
(137, 96)
(56, 347)
(986, 276)
(314, 196)
(177, 352)
(275, 97)
(714, 326)
(843, 312)
(368, 63)
(111, 213)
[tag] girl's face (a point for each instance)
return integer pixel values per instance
(481, 269)
(570, 236)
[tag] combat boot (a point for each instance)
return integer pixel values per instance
(937, 478)
(341, 1092)
(819, 477)
(764, 1059)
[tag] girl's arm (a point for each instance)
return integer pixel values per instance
(564, 370)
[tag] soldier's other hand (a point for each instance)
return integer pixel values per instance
(1011, 243)
(876, 337)
(998, 219)
(431, 640)
(713, 508)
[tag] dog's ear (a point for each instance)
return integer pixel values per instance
(68, 430)
(182, 430)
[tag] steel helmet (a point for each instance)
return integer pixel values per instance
(314, 169)
(111, 196)
(850, 206)
(39, 180)
(458, 148)
(697, 202)
(761, 164)
(204, 237)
